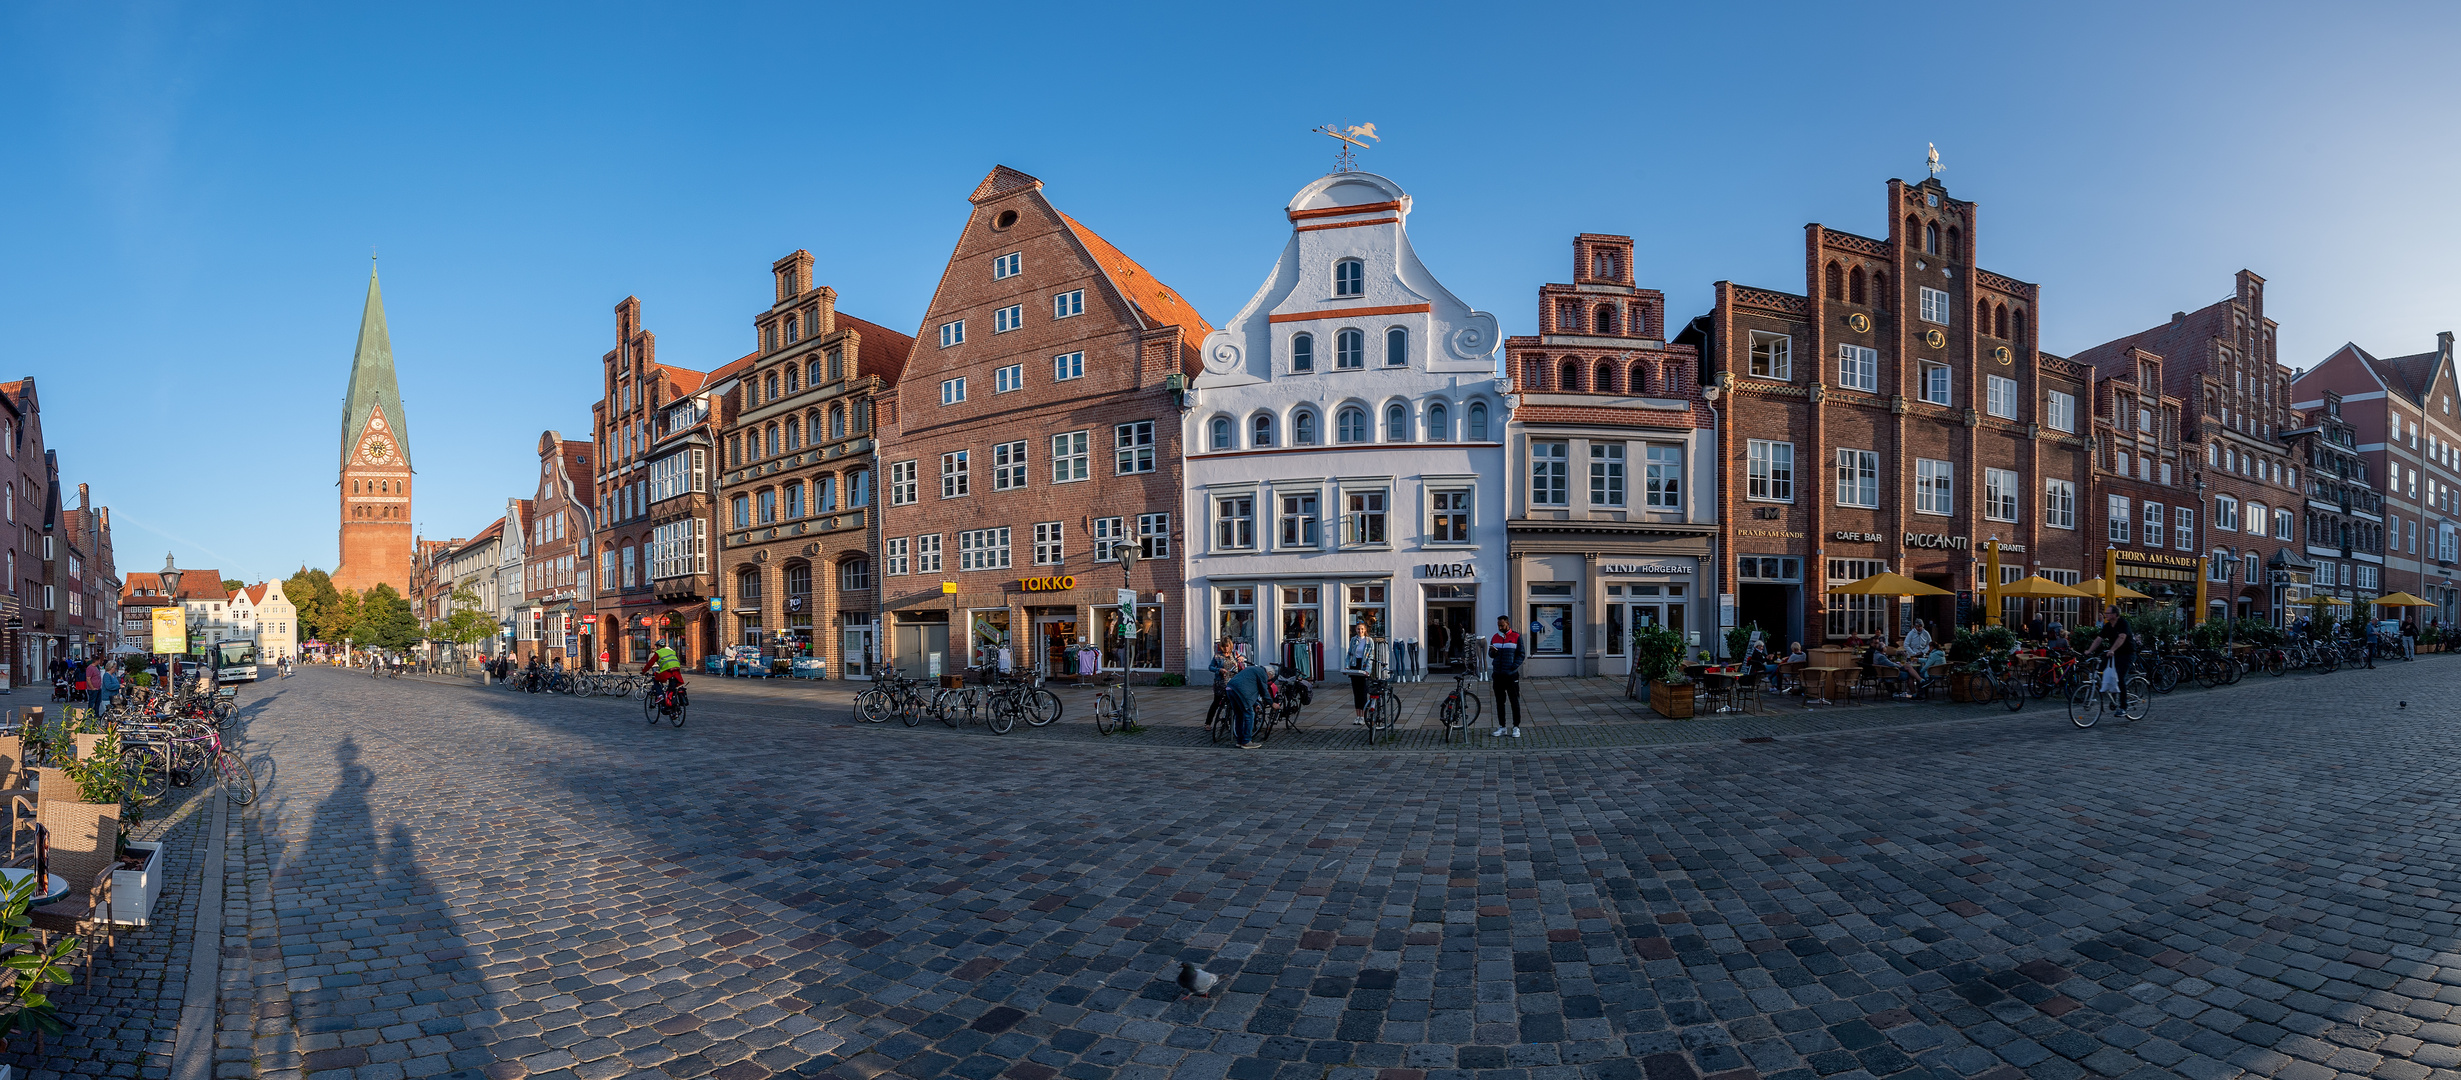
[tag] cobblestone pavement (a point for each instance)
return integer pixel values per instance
(472, 883)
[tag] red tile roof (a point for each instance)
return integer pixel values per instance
(193, 584)
(884, 350)
(1158, 303)
(579, 459)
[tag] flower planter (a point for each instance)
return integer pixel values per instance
(133, 891)
(1961, 686)
(1671, 700)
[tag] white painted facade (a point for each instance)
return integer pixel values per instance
(1345, 454)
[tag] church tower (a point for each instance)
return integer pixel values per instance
(375, 487)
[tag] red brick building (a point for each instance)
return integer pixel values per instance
(27, 624)
(2234, 397)
(2406, 426)
(1895, 415)
(1035, 429)
(797, 493)
(374, 486)
(2143, 506)
(556, 580)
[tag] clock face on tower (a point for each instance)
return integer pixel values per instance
(377, 450)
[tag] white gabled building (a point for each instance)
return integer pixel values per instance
(1345, 455)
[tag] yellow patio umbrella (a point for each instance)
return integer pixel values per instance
(2093, 587)
(2042, 587)
(2328, 600)
(2401, 600)
(1888, 584)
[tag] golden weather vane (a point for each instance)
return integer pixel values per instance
(1345, 161)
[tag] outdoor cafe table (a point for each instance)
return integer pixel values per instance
(1828, 683)
(56, 885)
(1717, 680)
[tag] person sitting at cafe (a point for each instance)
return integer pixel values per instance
(2035, 628)
(2058, 639)
(1918, 639)
(1890, 668)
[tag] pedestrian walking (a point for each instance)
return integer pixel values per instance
(1355, 663)
(110, 687)
(1504, 654)
(2409, 637)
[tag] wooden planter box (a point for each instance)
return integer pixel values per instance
(1671, 701)
(1961, 686)
(133, 892)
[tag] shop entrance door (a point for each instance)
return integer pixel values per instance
(859, 642)
(1055, 636)
(1452, 635)
(923, 644)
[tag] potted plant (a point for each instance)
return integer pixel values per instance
(1965, 652)
(1739, 640)
(1657, 653)
(23, 1006)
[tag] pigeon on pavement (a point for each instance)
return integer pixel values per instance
(1197, 980)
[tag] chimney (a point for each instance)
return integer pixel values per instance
(2178, 316)
(2443, 346)
(82, 503)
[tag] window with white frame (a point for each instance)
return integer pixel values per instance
(2165, 474)
(1109, 533)
(1935, 487)
(1068, 304)
(1772, 356)
(1070, 460)
(2153, 524)
(1008, 465)
(2366, 574)
(2059, 504)
(952, 391)
(1234, 522)
(1999, 494)
(927, 553)
(1858, 478)
(1935, 383)
(2259, 519)
(1008, 378)
(1858, 368)
(956, 480)
(2281, 524)
(896, 557)
(1851, 615)
(679, 548)
(1067, 366)
(1606, 474)
(1349, 278)
(952, 333)
(1770, 471)
(1133, 447)
(1550, 473)
(982, 549)
(1350, 425)
(1299, 521)
(2059, 411)
(2000, 396)
(1448, 516)
(902, 483)
(1007, 266)
(1154, 535)
(1007, 319)
(1302, 352)
(1363, 517)
(1932, 305)
(1049, 546)
(2183, 528)
(1665, 477)
(2226, 513)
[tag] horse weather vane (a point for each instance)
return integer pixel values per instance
(1345, 161)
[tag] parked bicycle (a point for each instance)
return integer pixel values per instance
(1115, 709)
(1460, 709)
(1383, 709)
(893, 694)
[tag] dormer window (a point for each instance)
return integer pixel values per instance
(1350, 278)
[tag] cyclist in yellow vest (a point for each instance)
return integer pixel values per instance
(664, 666)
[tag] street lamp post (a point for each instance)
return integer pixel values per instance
(171, 573)
(1128, 554)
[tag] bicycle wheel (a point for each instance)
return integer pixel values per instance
(147, 777)
(2328, 661)
(649, 708)
(1042, 707)
(2134, 699)
(1450, 715)
(2232, 671)
(1106, 718)
(2273, 664)
(910, 709)
(2012, 696)
(1002, 714)
(872, 706)
(1469, 707)
(2084, 707)
(2165, 673)
(1218, 718)
(676, 703)
(238, 784)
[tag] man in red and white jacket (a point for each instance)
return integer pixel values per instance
(1505, 655)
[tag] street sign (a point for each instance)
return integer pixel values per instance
(171, 629)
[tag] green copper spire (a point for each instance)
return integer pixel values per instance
(371, 380)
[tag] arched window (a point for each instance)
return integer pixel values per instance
(769, 388)
(1350, 425)
(837, 364)
(1260, 430)
(1914, 228)
(1982, 315)
(811, 423)
(1439, 423)
(1999, 321)
(794, 329)
(794, 378)
(1835, 276)
(837, 421)
(794, 433)
(2016, 325)
(1349, 278)
(1956, 242)
(811, 373)
(859, 488)
(1221, 431)
(1879, 288)
(854, 575)
(1572, 377)
(1396, 347)
(1568, 317)
(1396, 423)
(824, 493)
(1350, 350)
(1302, 352)
(1303, 429)
(1603, 320)
(1931, 238)
(748, 588)
(1854, 288)
(1602, 378)
(1478, 421)
(1639, 378)
(776, 445)
(1533, 374)
(1602, 265)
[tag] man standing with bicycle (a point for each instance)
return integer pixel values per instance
(2121, 642)
(1505, 653)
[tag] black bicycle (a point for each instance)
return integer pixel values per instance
(665, 701)
(1460, 709)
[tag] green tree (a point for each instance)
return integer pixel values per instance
(468, 624)
(231, 585)
(312, 592)
(343, 620)
(386, 621)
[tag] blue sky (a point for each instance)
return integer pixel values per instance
(192, 190)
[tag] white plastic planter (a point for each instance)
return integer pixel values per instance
(133, 891)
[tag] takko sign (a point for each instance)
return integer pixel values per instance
(1047, 584)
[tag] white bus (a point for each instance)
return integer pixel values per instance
(234, 662)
